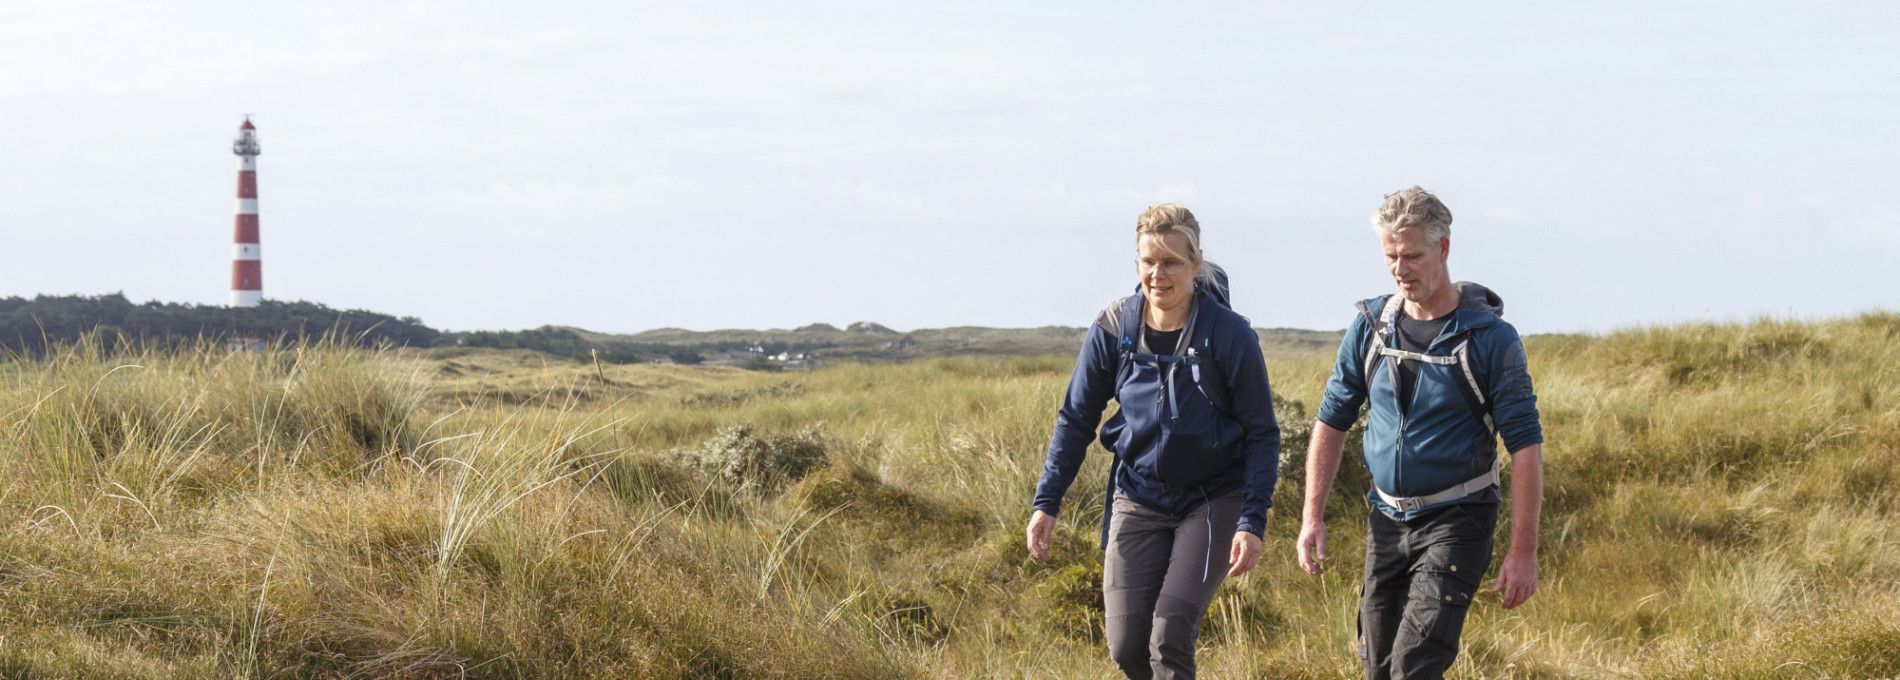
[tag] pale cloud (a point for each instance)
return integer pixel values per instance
(1503, 213)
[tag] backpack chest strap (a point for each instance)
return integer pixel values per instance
(1460, 356)
(1452, 359)
(1387, 328)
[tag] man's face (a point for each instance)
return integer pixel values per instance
(1415, 264)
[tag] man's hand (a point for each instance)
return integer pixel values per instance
(1041, 526)
(1245, 553)
(1312, 547)
(1322, 462)
(1517, 580)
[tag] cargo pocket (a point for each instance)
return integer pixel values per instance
(1442, 591)
(1454, 595)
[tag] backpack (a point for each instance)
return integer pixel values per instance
(1472, 387)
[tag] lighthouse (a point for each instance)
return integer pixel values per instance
(247, 261)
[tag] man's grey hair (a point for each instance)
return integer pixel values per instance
(1413, 207)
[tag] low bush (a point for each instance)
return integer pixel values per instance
(765, 462)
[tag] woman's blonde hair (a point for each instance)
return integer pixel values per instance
(1173, 218)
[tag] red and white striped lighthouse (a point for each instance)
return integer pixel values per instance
(247, 261)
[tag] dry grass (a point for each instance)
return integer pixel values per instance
(1721, 503)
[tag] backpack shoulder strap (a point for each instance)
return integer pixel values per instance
(1381, 332)
(1129, 319)
(1201, 350)
(1472, 386)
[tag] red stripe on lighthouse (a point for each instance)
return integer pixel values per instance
(247, 275)
(247, 184)
(246, 229)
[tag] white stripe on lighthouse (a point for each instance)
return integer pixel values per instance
(247, 251)
(247, 206)
(247, 163)
(246, 298)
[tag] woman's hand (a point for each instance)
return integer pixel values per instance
(1041, 526)
(1245, 554)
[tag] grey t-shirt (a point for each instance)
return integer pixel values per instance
(1414, 336)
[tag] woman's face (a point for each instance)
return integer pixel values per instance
(1166, 266)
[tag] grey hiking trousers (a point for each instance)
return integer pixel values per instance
(1158, 578)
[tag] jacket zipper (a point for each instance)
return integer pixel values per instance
(1398, 443)
(1174, 407)
(1167, 383)
(1418, 381)
(1161, 398)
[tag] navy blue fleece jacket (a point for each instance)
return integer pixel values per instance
(1241, 382)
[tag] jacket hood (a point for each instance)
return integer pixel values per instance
(1478, 307)
(1476, 297)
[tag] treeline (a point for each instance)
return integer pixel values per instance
(27, 326)
(565, 342)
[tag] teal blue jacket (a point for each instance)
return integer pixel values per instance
(1438, 440)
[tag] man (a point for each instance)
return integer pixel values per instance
(1445, 377)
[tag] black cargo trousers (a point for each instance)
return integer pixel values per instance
(1421, 575)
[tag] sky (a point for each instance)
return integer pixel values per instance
(621, 166)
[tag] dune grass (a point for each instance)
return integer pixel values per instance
(1720, 503)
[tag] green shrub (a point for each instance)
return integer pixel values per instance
(765, 462)
(1072, 601)
(1296, 431)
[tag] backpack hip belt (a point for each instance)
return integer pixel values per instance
(1470, 486)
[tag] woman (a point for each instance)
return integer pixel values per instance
(1196, 445)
